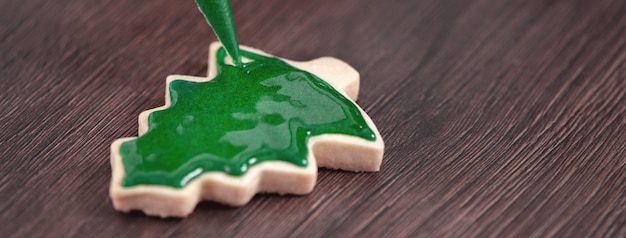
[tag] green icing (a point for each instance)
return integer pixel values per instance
(264, 110)
(219, 15)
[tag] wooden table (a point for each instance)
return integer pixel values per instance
(500, 118)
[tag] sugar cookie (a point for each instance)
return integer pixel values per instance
(263, 127)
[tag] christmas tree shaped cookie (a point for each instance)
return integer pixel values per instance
(255, 124)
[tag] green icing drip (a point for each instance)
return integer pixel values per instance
(220, 16)
(265, 110)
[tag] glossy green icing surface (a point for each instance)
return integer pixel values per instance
(264, 110)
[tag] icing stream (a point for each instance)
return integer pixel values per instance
(220, 16)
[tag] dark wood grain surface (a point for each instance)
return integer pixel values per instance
(500, 117)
